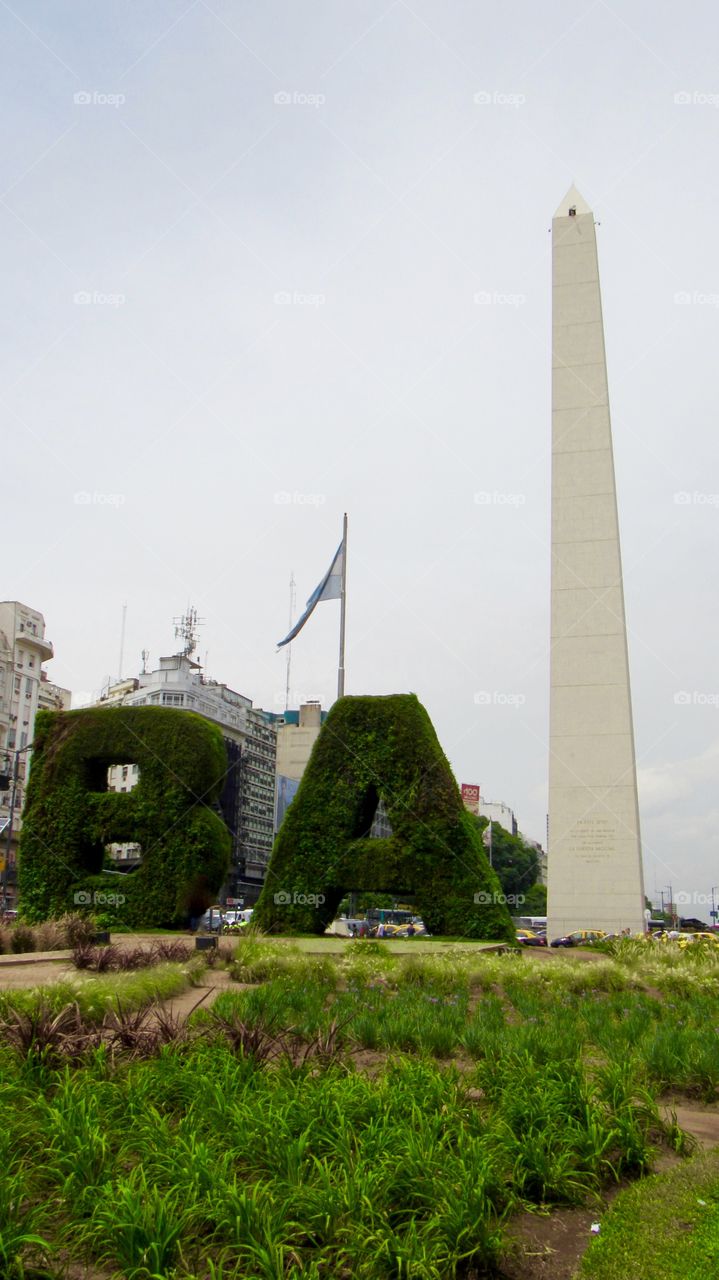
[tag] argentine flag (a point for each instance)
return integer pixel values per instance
(330, 588)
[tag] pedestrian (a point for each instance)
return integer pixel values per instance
(410, 930)
(380, 929)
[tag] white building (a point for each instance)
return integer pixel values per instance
(499, 812)
(24, 690)
(248, 794)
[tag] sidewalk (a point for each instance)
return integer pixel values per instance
(35, 957)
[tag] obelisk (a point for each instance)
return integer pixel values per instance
(595, 876)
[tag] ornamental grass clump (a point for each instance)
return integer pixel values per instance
(117, 959)
(22, 939)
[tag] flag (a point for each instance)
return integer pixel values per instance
(487, 835)
(330, 588)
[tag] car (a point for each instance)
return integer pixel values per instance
(701, 938)
(579, 938)
(402, 930)
(236, 921)
(211, 920)
(530, 938)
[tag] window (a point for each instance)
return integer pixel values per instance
(18, 682)
(119, 777)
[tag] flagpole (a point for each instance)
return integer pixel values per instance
(343, 598)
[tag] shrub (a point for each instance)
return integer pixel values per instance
(50, 936)
(371, 747)
(22, 938)
(77, 929)
(171, 813)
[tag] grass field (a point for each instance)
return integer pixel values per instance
(360, 1113)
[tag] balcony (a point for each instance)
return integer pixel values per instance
(44, 647)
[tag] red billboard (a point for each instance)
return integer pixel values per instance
(470, 797)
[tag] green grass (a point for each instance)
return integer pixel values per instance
(210, 1160)
(96, 993)
(199, 1154)
(663, 1228)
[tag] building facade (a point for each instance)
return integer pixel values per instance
(297, 733)
(24, 690)
(499, 812)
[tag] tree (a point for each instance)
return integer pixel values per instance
(515, 863)
(535, 902)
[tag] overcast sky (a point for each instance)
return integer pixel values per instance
(263, 264)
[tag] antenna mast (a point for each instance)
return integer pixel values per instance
(122, 642)
(293, 596)
(187, 628)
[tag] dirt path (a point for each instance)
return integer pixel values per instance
(201, 997)
(701, 1122)
(38, 974)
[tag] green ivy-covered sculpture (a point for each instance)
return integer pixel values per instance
(70, 816)
(367, 748)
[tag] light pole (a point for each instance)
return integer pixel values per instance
(714, 914)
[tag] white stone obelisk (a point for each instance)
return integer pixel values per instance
(595, 876)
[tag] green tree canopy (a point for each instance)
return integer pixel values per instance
(514, 862)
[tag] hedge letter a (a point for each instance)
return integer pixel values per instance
(372, 747)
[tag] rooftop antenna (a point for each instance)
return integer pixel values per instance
(186, 628)
(293, 597)
(122, 642)
(144, 655)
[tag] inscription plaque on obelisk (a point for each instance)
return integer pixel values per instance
(594, 856)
